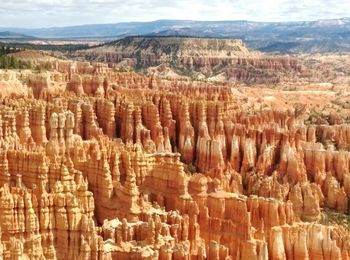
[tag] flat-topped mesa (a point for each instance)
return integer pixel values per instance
(208, 57)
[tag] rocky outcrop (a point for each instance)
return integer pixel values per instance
(207, 57)
(120, 166)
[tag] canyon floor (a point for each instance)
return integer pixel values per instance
(246, 158)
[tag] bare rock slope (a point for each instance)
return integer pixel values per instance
(196, 57)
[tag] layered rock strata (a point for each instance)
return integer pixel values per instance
(108, 165)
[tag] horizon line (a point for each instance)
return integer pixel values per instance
(169, 20)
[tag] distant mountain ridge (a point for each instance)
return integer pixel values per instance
(13, 35)
(332, 35)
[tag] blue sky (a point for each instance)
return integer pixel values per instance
(48, 13)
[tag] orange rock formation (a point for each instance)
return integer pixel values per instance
(96, 164)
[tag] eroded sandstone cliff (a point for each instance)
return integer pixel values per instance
(96, 164)
(198, 58)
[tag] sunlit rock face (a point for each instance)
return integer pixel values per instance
(96, 164)
(213, 59)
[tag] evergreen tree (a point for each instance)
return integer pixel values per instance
(10, 62)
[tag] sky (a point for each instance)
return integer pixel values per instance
(50, 13)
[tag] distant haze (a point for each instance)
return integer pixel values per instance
(50, 13)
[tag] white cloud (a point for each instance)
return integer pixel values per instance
(45, 13)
